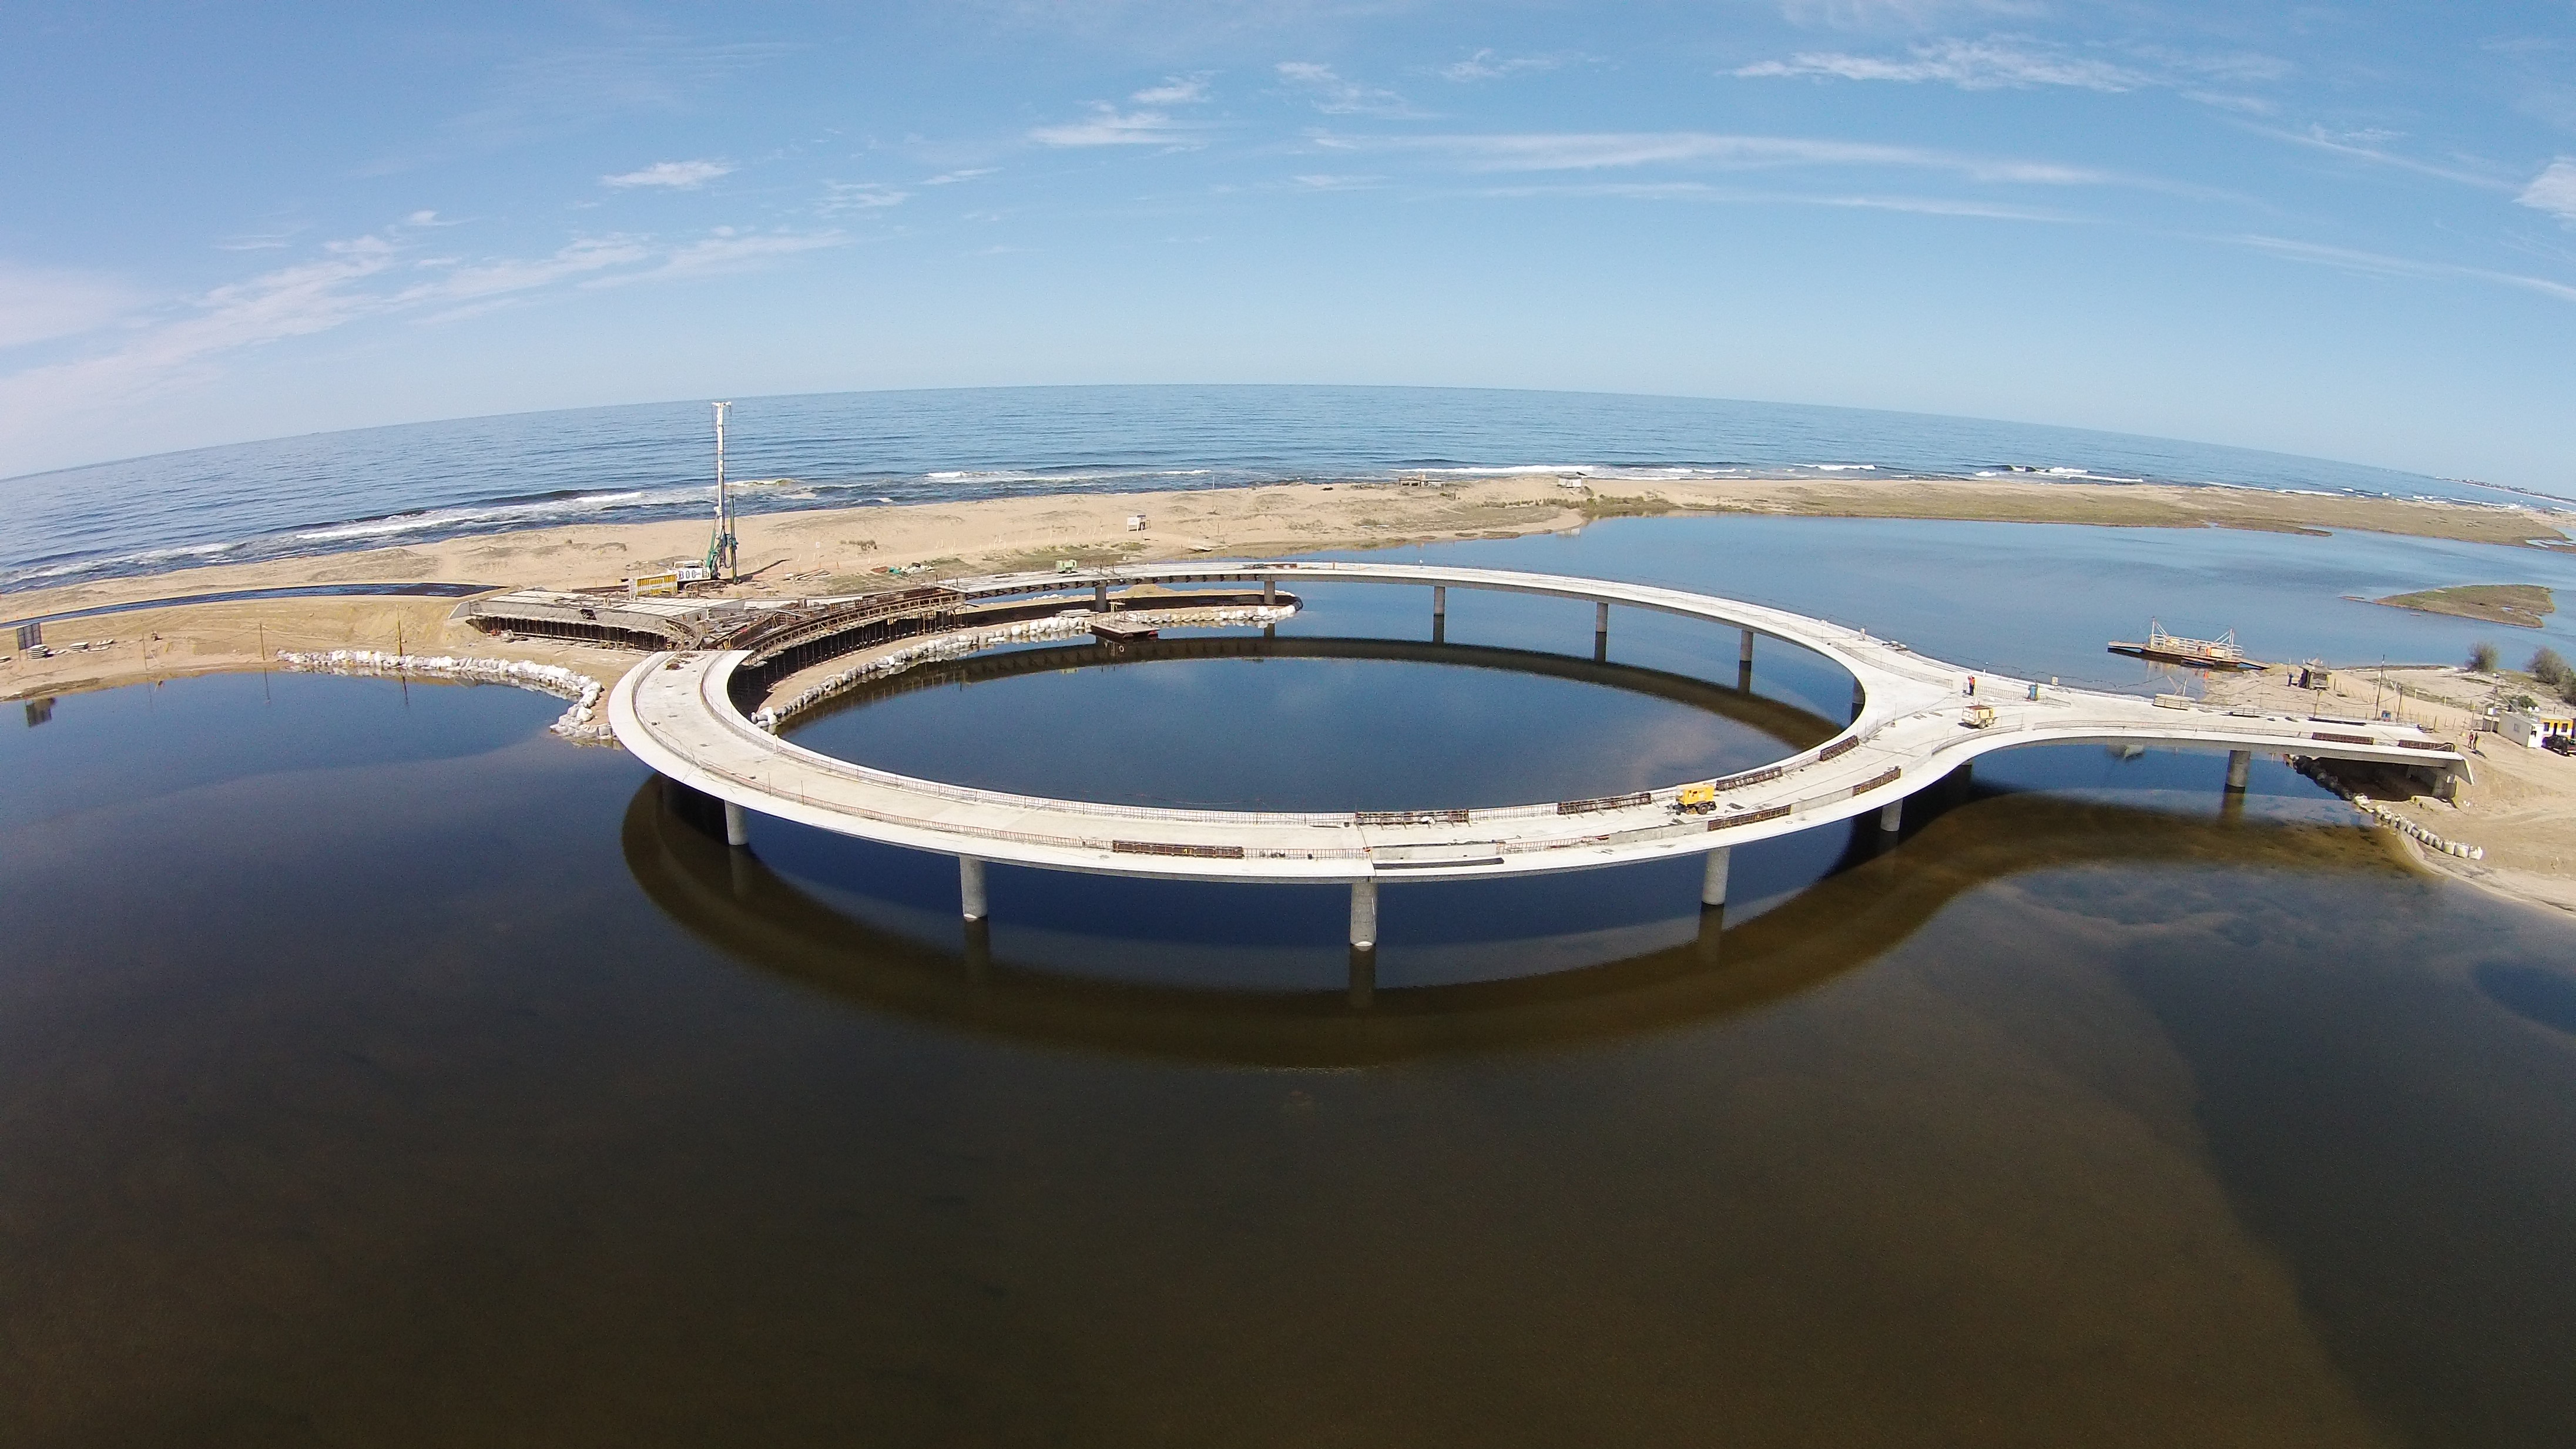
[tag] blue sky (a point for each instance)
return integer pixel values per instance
(2346, 230)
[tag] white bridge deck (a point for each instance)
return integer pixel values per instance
(675, 713)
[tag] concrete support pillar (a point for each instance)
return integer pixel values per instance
(1744, 651)
(1712, 884)
(1439, 600)
(1601, 633)
(1891, 817)
(1269, 593)
(2240, 763)
(1364, 915)
(970, 887)
(737, 829)
(1100, 597)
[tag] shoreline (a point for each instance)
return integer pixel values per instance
(853, 550)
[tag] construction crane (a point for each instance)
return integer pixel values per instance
(724, 559)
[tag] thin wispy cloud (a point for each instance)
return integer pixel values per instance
(1897, 14)
(1554, 151)
(534, 97)
(1176, 91)
(2553, 191)
(1108, 126)
(1486, 65)
(672, 175)
(1973, 65)
(847, 196)
(40, 304)
(1335, 96)
(2381, 265)
(725, 252)
(1703, 192)
(2369, 146)
(259, 241)
(379, 275)
(951, 178)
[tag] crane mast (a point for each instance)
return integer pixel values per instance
(724, 561)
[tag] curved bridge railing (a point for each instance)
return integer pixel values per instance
(676, 713)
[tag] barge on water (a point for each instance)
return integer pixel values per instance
(2163, 648)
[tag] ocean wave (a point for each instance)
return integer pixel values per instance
(579, 507)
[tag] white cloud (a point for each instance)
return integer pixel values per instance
(2553, 191)
(1596, 151)
(39, 304)
(1174, 91)
(1108, 127)
(1486, 65)
(1974, 65)
(1317, 181)
(951, 178)
(1335, 96)
(676, 175)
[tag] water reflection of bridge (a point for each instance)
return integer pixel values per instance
(1916, 721)
(733, 901)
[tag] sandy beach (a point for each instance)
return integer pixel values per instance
(2522, 811)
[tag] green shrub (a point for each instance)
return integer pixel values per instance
(2482, 658)
(2547, 667)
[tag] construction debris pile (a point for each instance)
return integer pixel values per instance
(581, 724)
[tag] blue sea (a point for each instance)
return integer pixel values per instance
(377, 487)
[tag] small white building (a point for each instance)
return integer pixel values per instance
(2531, 728)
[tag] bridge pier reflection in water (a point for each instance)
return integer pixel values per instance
(1872, 901)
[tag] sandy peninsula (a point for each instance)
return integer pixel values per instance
(2521, 811)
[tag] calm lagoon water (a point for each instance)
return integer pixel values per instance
(376, 1068)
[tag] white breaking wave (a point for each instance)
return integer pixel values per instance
(519, 513)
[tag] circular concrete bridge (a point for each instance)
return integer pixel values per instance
(1915, 720)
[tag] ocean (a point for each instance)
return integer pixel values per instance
(374, 487)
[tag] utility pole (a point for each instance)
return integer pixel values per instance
(724, 559)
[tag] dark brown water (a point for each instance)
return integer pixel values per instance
(376, 1069)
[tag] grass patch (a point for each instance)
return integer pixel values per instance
(2521, 605)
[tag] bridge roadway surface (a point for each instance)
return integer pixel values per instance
(676, 714)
